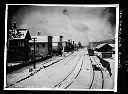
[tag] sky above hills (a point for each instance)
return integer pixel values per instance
(82, 24)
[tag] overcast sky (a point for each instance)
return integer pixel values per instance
(77, 23)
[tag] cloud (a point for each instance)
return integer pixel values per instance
(79, 23)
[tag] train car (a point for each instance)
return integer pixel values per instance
(43, 46)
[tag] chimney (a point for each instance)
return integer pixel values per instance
(38, 33)
(61, 38)
(73, 42)
(14, 25)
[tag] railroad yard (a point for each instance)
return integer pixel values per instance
(61, 47)
(75, 70)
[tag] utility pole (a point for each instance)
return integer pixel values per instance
(34, 53)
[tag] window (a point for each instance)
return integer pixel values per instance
(43, 44)
(11, 43)
(37, 45)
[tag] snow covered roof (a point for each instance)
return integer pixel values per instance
(64, 40)
(99, 46)
(20, 34)
(40, 38)
(56, 39)
(112, 45)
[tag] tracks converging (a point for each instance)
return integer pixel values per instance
(68, 80)
(76, 64)
(96, 77)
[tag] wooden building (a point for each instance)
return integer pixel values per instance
(106, 50)
(43, 46)
(18, 45)
(57, 45)
(67, 45)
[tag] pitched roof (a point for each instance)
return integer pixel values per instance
(20, 34)
(104, 48)
(99, 46)
(40, 38)
(112, 45)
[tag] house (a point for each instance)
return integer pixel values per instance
(105, 50)
(57, 45)
(93, 45)
(43, 45)
(104, 47)
(18, 45)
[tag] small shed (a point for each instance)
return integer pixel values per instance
(91, 52)
(105, 49)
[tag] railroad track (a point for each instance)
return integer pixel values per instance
(98, 77)
(72, 75)
(66, 60)
(31, 74)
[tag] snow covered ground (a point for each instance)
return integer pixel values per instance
(73, 72)
(108, 81)
(22, 73)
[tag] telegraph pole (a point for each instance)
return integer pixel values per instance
(34, 53)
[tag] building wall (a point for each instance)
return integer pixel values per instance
(18, 50)
(57, 42)
(50, 45)
(42, 48)
(39, 49)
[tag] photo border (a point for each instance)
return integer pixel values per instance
(70, 5)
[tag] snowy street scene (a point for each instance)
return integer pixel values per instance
(61, 47)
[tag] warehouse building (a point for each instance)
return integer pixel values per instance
(106, 50)
(43, 46)
(57, 45)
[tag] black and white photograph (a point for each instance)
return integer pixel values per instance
(61, 47)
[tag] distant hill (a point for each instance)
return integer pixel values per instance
(94, 44)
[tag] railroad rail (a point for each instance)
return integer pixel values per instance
(97, 77)
(68, 80)
(31, 74)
